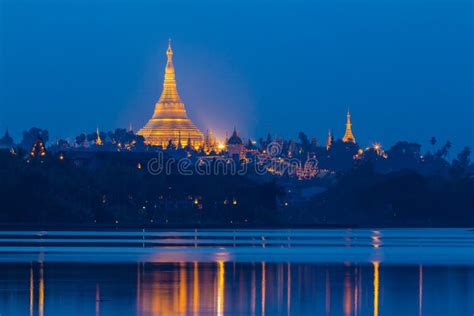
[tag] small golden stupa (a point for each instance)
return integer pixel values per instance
(170, 120)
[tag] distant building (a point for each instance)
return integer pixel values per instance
(170, 118)
(6, 142)
(348, 136)
(235, 146)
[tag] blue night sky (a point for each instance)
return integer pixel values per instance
(404, 67)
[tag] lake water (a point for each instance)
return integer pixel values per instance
(238, 272)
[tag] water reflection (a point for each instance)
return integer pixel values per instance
(253, 290)
(97, 299)
(220, 288)
(347, 294)
(264, 284)
(376, 239)
(357, 291)
(39, 285)
(182, 287)
(328, 293)
(288, 289)
(226, 288)
(196, 288)
(41, 291)
(32, 291)
(420, 291)
(376, 288)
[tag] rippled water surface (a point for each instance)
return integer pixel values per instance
(241, 272)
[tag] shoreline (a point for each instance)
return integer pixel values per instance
(134, 227)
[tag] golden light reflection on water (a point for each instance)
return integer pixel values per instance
(220, 287)
(347, 294)
(227, 288)
(376, 287)
(182, 288)
(41, 291)
(196, 289)
(32, 290)
(200, 288)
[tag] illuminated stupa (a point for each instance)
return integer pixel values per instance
(170, 120)
(348, 136)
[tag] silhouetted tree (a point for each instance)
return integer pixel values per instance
(80, 139)
(30, 137)
(91, 137)
(341, 155)
(433, 141)
(313, 145)
(304, 141)
(62, 144)
(460, 165)
(404, 155)
(443, 152)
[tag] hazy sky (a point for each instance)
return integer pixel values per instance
(404, 67)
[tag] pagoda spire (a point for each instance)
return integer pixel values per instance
(98, 140)
(188, 142)
(170, 92)
(180, 146)
(329, 141)
(348, 136)
(6, 141)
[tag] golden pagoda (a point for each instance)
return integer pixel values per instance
(170, 119)
(348, 136)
